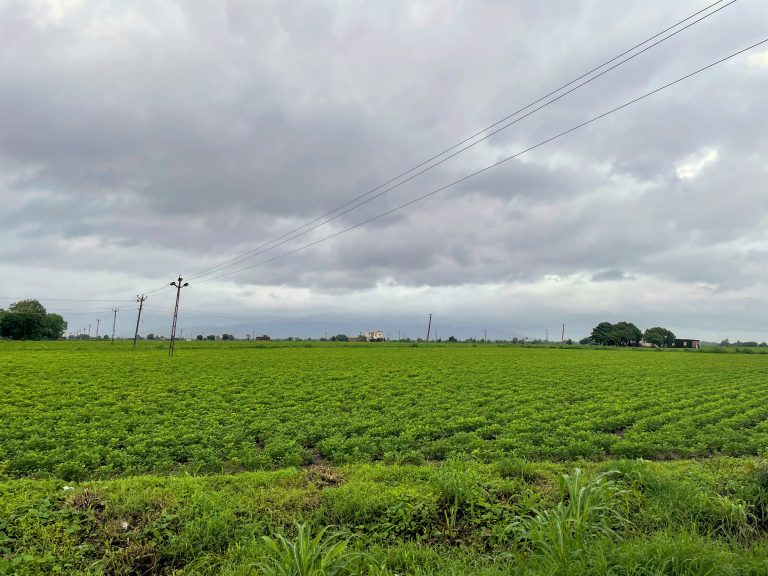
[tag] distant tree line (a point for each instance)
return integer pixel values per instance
(29, 320)
(740, 344)
(627, 334)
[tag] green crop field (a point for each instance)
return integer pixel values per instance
(420, 459)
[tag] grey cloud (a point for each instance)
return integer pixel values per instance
(611, 275)
(155, 137)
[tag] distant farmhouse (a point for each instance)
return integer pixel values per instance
(374, 336)
(686, 343)
(264, 337)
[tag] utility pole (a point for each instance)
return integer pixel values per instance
(179, 286)
(89, 330)
(98, 321)
(429, 327)
(485, 336)
(546, 331)
(114, 321)
(140, 300)
(562, 336)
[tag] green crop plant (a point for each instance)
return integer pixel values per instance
(438, 459)
(325, 553)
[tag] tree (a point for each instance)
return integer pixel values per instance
(659, 336)
(452, 339)
(54, 326)
(27, 307)
(627, 334)
(28, 320)
(150, 336)
(603, 334)
(340, 338)
(619, 334)
(199, 336)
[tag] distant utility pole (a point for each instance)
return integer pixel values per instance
(179, 286)
(562, 336)
(89, 330)
(98, 321)
(429, 327)
(485, 335)
(114, 322)
(398, 335)
(546, 332)
(140, 300)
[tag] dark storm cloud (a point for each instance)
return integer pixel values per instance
(138, 138)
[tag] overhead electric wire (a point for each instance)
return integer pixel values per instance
(282, 239)
(489, 167)
(65, 299)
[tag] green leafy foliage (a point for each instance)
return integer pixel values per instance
(79, 410)
(426, 460)
(28, 320)
(619, 334)
(659, 336)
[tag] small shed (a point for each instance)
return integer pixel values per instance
(687, 343)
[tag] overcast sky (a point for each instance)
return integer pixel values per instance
(141, 140)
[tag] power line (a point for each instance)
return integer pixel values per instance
(489, 167)
(284, 238)
(64, 299)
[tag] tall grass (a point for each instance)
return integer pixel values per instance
(323, 554)
(586, 511)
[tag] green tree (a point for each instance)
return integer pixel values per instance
(27, 307)
(603, 334)
(619, 334)
(28, 320)
(627, 334)
(659, 336)
(54, 326)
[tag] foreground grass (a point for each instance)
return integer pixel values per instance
(513, 517)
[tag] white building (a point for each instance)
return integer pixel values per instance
(374, 335)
